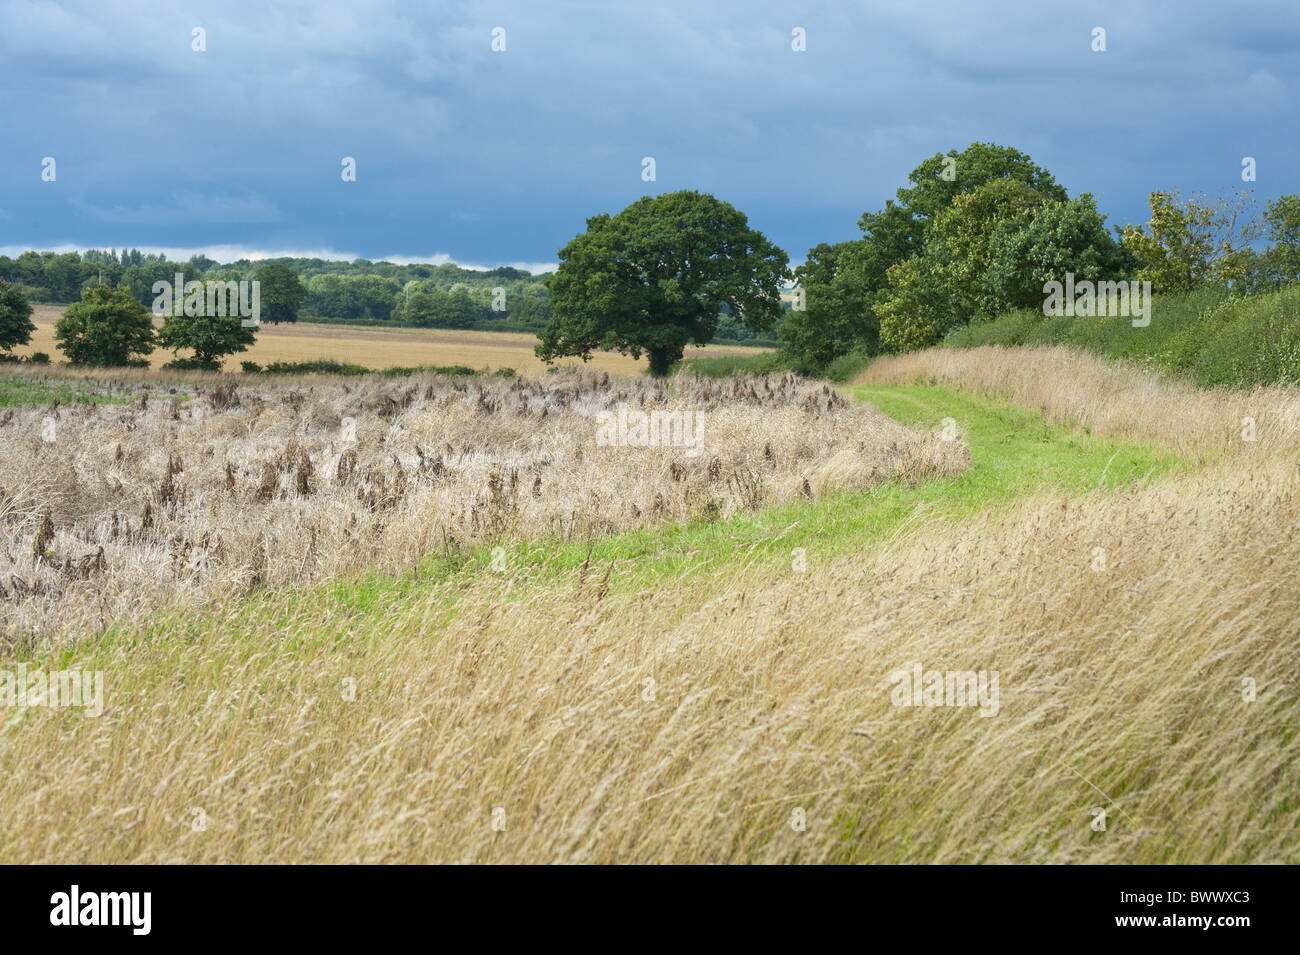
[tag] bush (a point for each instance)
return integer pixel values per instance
(193, 364)
(725, 366)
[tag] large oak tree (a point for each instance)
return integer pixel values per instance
(656, 277)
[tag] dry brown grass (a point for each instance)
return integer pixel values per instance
(376, 347)
(170, 500)
(1077, 389)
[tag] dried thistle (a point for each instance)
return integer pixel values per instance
(44, 538)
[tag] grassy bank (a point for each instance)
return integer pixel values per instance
(1212, 337)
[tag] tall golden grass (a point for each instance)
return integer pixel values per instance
(1077, 389)
(704, 720)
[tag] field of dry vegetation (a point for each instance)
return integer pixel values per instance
(112, 512)
(638, 711)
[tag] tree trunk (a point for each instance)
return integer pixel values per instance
(661, 360)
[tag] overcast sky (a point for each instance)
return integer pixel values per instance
(491, 158)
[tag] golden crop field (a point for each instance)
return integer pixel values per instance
(377, 348)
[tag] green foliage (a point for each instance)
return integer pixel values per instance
(352, 297)
(1034, 248)
(990, 251)
(210, 337)
(1192, 243)
(960, 241)
(918, 310)
(108, 328)
(838, 314)
(655, 278)
(877, 292)
(429, 307)
(282, 293)
(18, 392)
(727, 366)
(361, 291)
(977, 164)
(16, 325)
(1281, 263)
(1212, 335)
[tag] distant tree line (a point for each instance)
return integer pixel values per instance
(423, 296)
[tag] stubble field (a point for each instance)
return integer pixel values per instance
(378, 348)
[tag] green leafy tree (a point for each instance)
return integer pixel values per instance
(837, 315)
(1196, 242)
(946, 285)
(655, 278)
(939, 180)
(210, 337)
(282, 293)
(15, 317)
(1283, 217)
(851, 295)
(1043, 245)
(918, 310)
(960, 241)
(108, 328)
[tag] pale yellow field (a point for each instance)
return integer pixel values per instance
(384, 347)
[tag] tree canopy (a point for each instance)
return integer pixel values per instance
(108, 327)
(15, 317)
(282, 293)
(657, 276)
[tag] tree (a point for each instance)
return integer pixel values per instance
(15, 317)
(1043, 246)
(918, 310)
(838, 314)
(211, 338)
(852, 293)
(946, 285)
(108, 327)
(1195, 242)
(939, 180)
(655, 277)
(1283, 218)
(960, 241)
(282, 293)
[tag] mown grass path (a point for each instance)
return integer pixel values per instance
(1015, 454)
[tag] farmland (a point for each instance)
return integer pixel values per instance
(379, 348)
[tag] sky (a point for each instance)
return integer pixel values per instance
(497, 157)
